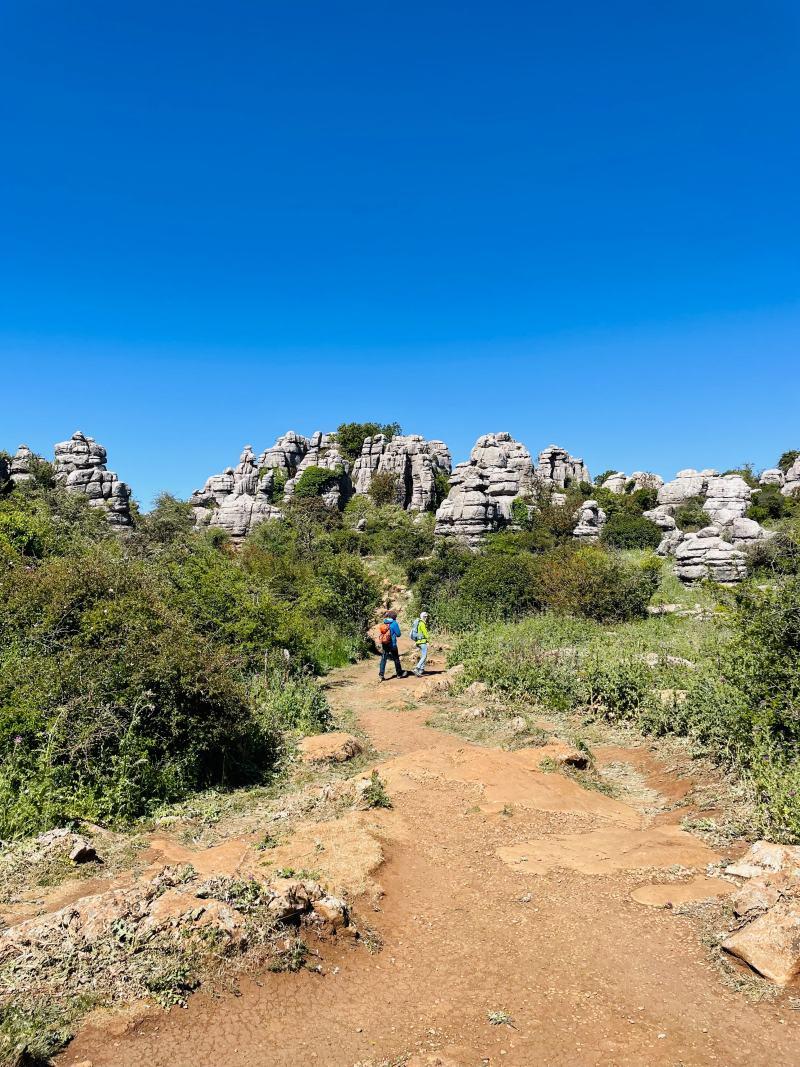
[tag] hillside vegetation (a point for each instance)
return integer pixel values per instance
(135, 670)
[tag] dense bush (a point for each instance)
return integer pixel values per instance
(769, 504)
(127, 664)
(508, 581)
(595, 584)
(690, 516)
(787, 459)
(626, 530)
(350, 436)
(314, 481)
(384, 488)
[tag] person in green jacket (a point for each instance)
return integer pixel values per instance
(420, 635)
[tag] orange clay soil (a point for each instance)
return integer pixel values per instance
(494, 887)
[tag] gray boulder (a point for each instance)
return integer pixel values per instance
(726, 498)
(591, 520)
(80, 466)
(19, 467)
(413, 461)
(558, 468)
(791, 482)
(706, 555)
(772, 476)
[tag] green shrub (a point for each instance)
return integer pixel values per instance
(350, 436)
(690, 516)
(286, 701)
(626, 530)
(594, 583)
(314, 481)
(787, 459)
(384, 488)
(769, 504)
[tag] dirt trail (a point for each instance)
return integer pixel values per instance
(505, 889)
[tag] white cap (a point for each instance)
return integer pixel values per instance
(423, 614)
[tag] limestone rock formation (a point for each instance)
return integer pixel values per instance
(772, 476)
(706, 555)
(286, 454)
(324, 452)
(559, 468)
(686, 484)
(483, 489)
(238, 499)
(412, 460)
(19, 468)
(469, 512)
(791, 482)
(618, 481)
(591, 520)
(80, 465)
(727, 498)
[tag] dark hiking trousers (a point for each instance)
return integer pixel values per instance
(386, 655)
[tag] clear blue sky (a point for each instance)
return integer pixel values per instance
(578, 222)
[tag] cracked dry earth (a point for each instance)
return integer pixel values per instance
(494, 887)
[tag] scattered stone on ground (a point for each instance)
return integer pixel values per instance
(670, 894)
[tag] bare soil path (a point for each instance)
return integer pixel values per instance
(504, 890)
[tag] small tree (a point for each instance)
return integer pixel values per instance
(787, 459)
(350, 436)
(384, 488)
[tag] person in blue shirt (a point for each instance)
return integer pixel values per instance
(389, 648)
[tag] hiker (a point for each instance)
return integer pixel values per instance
(419, 634)
(388, 632)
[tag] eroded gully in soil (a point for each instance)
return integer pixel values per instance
(494, 887)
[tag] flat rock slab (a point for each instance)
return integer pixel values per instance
(505, 778)
(609, 849)
(665, 896)
(771, 943)
(334, 747)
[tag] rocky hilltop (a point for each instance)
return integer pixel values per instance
(471, 500)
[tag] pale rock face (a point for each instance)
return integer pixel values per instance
(323, 452)
(411, 459)
(286, 454)
(559, 468)
(791, 484)
(469, 512)
(742, 532)
(705, 555)
(773, 476)
(646, 480)
(80, 465)
(19, 469)
(727, 498)
(238, 499)
(686, 483)
(483, 489)
(616, 482)
(591, 520)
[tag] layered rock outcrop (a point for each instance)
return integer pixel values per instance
(238, 499)
(557, 467)
(706, 555)
(591, 520)
(483, 489)
(323, 452)
(80, 466)
(499, 471)
(791, 480)
(19, 468)
(618, 481)
(411, 460)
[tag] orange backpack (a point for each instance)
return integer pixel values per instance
(385, 632)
